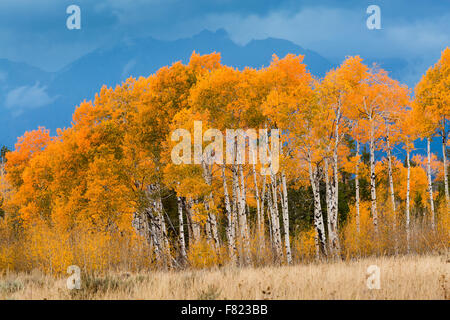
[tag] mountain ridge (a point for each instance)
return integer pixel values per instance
(49, 98)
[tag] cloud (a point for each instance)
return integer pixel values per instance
(34, 31)
(3, 76)
(127, 68)
(27, 97)
(337, 32)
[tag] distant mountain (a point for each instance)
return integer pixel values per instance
(13, 74)
(30, 97)
(141, 57)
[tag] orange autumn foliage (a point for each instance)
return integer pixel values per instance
(72, 197)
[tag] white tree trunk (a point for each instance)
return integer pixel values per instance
(391, 191)
(269, 216)
(285, 216)
(287, 243)
(156, 237)
(430, 183)
(373, 191)
(276, 220)
(181, 222)
(3, 188)
(258, 201)
(334, 237)
(407, 201)
(444, 156)
(209, 204)
(209, 238)
(328, 198)
(230, 226)
(261, 222)
(164, 235)
(358, 223)
(236, 205)
(150, 223)
(391, 181)
(243, 218)
(243, 204)
(215, 233)
(211, 223)
(321, 243)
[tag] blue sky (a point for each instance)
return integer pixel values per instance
(35, 31)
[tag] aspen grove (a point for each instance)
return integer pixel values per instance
(104, 193)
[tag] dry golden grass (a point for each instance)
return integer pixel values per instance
(407, 277)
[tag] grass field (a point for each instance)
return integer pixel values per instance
(407, 277)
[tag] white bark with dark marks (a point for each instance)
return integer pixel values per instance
(328, 196)
(284, 200)
(275, 220)
(444, 157)
(430, 182)
(230, 223)
(181, 229)
(358, 223)
(408, 179)
(334, 236)
(391, 181)
(321, 242)
(373, 190)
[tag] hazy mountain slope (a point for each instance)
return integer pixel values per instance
(30, 97)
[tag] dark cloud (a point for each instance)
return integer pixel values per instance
(35, 32)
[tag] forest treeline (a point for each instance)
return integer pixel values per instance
(104, 194)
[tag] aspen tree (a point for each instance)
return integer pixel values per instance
(433, 102)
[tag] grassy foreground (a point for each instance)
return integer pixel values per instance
(407, 277)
